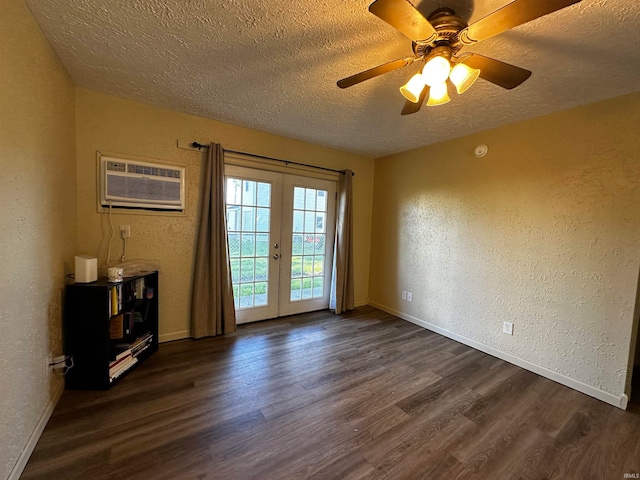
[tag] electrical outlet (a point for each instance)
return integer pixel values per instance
(507, 327)
(409, 297)
(125, 231)
(404, 295)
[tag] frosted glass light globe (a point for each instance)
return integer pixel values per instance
(438, 95)
(463, 77)
(413, 88)
(436, 71)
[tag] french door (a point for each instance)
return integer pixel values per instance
(280, 231)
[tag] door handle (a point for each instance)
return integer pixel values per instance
(276, 256)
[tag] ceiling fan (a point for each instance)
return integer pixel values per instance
(437, 41)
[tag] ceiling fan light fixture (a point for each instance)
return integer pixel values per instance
(436, 71)
(438, 95)
(413, 88)
(437, 40)
(463, 76)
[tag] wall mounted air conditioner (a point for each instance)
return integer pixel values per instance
(136, 184)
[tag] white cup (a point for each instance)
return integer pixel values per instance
(115, 274)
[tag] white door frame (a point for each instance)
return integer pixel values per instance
(252, 314)
(288, 306)
(280, 253)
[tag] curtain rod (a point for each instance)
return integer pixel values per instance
(286, 162)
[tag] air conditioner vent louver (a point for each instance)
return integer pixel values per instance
(142, 189)
(135, 184)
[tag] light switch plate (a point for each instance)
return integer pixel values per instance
(507, 327)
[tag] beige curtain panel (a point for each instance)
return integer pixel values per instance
(212, 309)
(341, 295)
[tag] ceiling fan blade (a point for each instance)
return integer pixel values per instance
(410, 107)
(502, 74)
(511, 15)
(375, 71)
(405, 18)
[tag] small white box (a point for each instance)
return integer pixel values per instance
(86, 269)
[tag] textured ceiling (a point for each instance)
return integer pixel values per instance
(272, 65)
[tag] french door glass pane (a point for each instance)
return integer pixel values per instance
(234, 191)
(262, 269)
(296, 285)
(262, 223)
(248, 245)
(298, 221)
(248, 217)
(262, 244)
(248, 192)
(308, 243)
(234, 244)
(264, 194)
(296, 267)
(306, 288)
(320, 244)
(260, 294)
(298, 244)
(298, 199)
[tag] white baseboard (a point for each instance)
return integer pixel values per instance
(615, 400)
(18, 468)
(170, 337)
(360, 303)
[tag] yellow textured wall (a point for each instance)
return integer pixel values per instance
(37, 214)
(543, 232)
(113, 124)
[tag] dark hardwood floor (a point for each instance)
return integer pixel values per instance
(357, 396)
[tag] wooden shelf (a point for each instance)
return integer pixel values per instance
(88, 318)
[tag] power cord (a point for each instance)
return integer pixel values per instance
(124, 252)
(110, 239)
(60, 363)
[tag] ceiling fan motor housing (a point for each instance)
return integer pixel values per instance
(447, 24)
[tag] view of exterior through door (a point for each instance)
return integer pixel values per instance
(280, 232)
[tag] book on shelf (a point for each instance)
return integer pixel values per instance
(138, 345)
(121, 367)
(119, 362)
(142, 349)
(116, 326)
(123, 354)
(139, 289)
(143, 338)
(122, 294)
(114, 300)
(128, 357)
